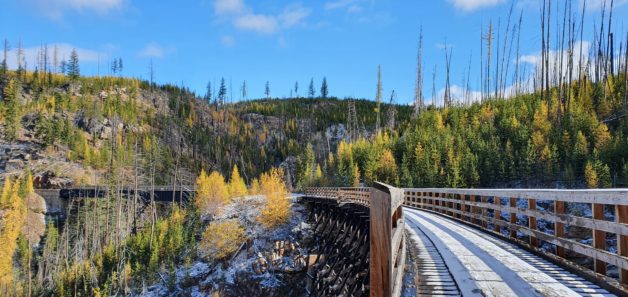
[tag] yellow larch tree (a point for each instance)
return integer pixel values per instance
(14, 216)
(277, 209)
(237, 187)
(211, 193)
(254, 189)
(221, 239)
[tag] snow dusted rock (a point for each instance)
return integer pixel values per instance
(155, 291)
(198, 270)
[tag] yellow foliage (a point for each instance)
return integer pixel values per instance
(356, 176)
(590, 176)
(254, 187)
(221, 239)
(602, 136)
(541, 123)
(237, 187)
(277, 209)
(15, 213)
(211, 193)
(28, 183)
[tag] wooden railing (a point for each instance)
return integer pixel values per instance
(515, 214)
(386, 231)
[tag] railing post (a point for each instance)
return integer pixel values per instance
(513, 218)
(532, 223)
(497, 214)
(387, 244)
(559, 228)
(484, 213)
(473, 210)
(621, 216)
(599, 237)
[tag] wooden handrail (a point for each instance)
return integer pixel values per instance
(473, 207)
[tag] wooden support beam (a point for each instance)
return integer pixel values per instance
(532, 223)
(513, 217)
(497, 214)
(484, 213)
(559, 228)
(621, 215)
(599, 238)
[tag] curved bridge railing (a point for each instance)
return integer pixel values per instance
(516, 215)
(386, 231)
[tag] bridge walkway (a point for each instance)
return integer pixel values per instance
(461, 260)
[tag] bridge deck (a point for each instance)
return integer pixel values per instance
(482, 265)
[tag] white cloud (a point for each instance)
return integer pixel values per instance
(246, 19)
(458, 94)
(55, 9)
(294, 15)
(257, 22)
(227, 41)
(152, 50)
(331, 5)
(535, 59)
(471, 5)
(222, 7)
(64, 50)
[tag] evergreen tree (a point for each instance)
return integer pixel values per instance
(222, 92)
(311, 92)
(11, 109)
(244, 90)
(73, 68)
(324, 91)
(4, 67)
(267, 90)
(296, 89)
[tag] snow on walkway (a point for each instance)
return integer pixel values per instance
(482, 265)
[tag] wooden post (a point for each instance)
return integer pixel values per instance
(513, 218)
(599, 238)
(484, 213)
(380, 241)
(387, 243)
(497, 214)
(473, 210)
(621, 216)
(532, 223)
(559, 228)
(463, 209)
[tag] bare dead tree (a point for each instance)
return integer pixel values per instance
(489, 39)
(418, 91)
(447, 100)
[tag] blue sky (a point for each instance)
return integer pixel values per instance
(192, 42)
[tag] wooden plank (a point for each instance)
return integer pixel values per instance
(599, 238)
(532, 223)
(559, 228)
(621, 215)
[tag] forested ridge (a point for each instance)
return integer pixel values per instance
(563, 126)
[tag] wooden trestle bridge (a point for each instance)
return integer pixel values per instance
(497, 242)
